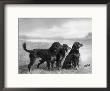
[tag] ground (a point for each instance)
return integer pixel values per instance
(85, 58)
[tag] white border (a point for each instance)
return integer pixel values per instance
(98, 76)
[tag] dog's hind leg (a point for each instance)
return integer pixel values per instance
(32, 60)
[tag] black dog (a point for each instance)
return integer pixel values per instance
(61, 54)
(72, 59)
(44, 54)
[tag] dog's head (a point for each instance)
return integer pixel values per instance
(55, 46)
(77, 45)
(66, 47)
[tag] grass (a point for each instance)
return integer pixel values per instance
(43, 70)
(23, 60)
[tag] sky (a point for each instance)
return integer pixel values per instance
(55, 27)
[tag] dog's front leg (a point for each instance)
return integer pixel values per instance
(48, 65)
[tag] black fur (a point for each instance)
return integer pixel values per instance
(44, 54)
(61, 54)
(72, 59)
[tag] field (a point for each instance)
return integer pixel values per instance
(23, 57)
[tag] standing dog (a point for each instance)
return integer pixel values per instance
(44, 54)
(72, 59)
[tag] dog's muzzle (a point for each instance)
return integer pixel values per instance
(81, 45)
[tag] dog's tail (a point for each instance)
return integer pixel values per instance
(24, 47)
